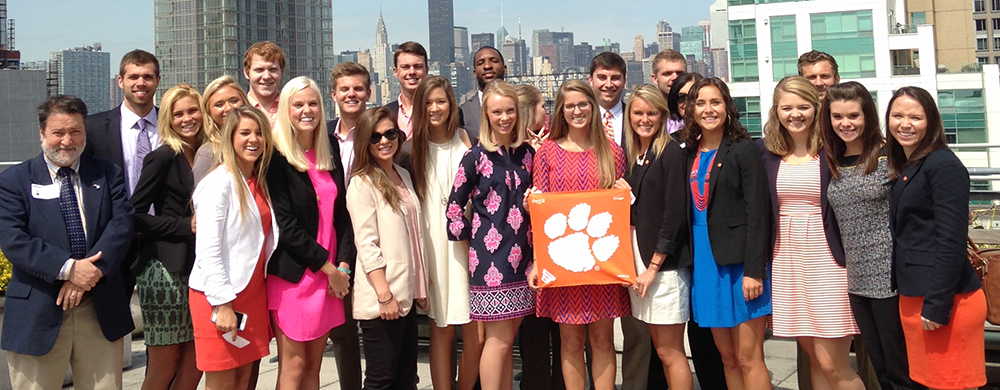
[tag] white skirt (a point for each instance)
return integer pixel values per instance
(668, 297)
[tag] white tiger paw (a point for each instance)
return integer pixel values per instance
(580, 251)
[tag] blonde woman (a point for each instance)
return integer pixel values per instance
(656, 174)
(310, 271)
(578, 157)
(167, 253)
(235, 240)
(385, 213)
(494, 175)
(436, 154)
(531, 105)
(809, 281)
(221, 95)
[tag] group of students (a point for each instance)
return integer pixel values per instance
(815, 227)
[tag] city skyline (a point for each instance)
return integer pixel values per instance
(121, 25)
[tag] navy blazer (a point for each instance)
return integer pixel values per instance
(166, 185)
(830, 227)
(737, 206)
(662, 200)
(929, 220)
(294, 201)
(34, 238)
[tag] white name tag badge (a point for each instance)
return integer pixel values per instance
(44, 192)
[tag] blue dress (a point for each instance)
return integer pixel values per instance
(717, 290)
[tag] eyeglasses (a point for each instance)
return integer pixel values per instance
(572, 107)
(390, 135)
(681, 97)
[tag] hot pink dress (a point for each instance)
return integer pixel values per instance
(303, 310)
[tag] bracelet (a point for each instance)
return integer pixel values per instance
(386, 301)
(656, 264)
(344, 270)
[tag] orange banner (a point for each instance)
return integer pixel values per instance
(582, 237)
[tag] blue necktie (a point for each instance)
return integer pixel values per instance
(142, 148)
(71, 214)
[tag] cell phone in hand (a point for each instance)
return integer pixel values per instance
(241, 318)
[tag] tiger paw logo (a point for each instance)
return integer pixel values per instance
(580, 240)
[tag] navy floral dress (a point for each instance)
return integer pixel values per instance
(499, 234)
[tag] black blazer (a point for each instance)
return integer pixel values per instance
(830, 227)
(737, 206)
(658, 214)
(166, 184)
(295, 208)
(104, 134)
(469, 116)
(929, 215)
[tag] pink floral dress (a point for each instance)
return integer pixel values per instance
(499, 234)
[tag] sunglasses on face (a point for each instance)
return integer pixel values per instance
(390, 135)
(682, 97)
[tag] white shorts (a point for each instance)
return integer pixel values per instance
(668, 297)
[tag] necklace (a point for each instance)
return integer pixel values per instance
(700, 195)
(641, 160)
(443, 184)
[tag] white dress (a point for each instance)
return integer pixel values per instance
(447, 261)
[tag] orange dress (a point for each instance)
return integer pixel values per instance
(214, 353)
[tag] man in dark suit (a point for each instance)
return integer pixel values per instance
(489, 66)
(65, 225)
(607, 77)
(668, 65)
(409, 67)
(351, 89)
(125, 134)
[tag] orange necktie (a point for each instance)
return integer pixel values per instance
(609, 126)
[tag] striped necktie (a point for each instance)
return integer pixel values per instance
(609, 126)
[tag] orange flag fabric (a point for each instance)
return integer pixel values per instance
(582, 237)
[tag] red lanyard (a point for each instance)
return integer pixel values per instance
(701, 195)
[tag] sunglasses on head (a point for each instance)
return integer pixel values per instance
(390, 135)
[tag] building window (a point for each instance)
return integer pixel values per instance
(981, 25)
(743, 50)
(981, 44)
(918, 18)
(848, 37)
(996, 43)
(996, 60)
(963, 112)
(995, 5)
(982, 60)
(784, 47)
(978, 5)
(749, 108)
(996, 22)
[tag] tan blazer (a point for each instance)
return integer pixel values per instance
(382, 237)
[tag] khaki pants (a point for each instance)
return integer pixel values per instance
(96, 362)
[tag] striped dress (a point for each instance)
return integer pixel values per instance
(556, 170)
(809, 288)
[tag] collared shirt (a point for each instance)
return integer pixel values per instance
(617, 115)
(67, 267)
(130, 134)
(403, 118)
(346, 150)
(480, 94)
(271, 112)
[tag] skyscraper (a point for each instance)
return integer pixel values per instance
(198, 41)
(692, 42)
(666, 38)
(480, 40)
(380, 53)
(441, 22)
(639, 48)
(82, 72)
(563, 42)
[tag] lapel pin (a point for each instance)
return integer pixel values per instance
(719, 165)
(97, 186)
(904, 178)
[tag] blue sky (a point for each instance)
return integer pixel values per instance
(122, 25)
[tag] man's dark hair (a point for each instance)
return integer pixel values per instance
(351, 69)
(412, 48)
(608, 60)
(139, 58)
(813, 57)
(499, 54)
(60, 104)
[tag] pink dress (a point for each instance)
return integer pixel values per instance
(303, 310)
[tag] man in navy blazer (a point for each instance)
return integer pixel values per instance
(489, 66)
(54, 282)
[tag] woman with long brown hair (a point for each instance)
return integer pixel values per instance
(578, 156)
(436, 152)
(385, 213)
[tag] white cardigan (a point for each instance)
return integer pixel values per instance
(226, 247)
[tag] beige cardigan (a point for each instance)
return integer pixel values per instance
(383, 241)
